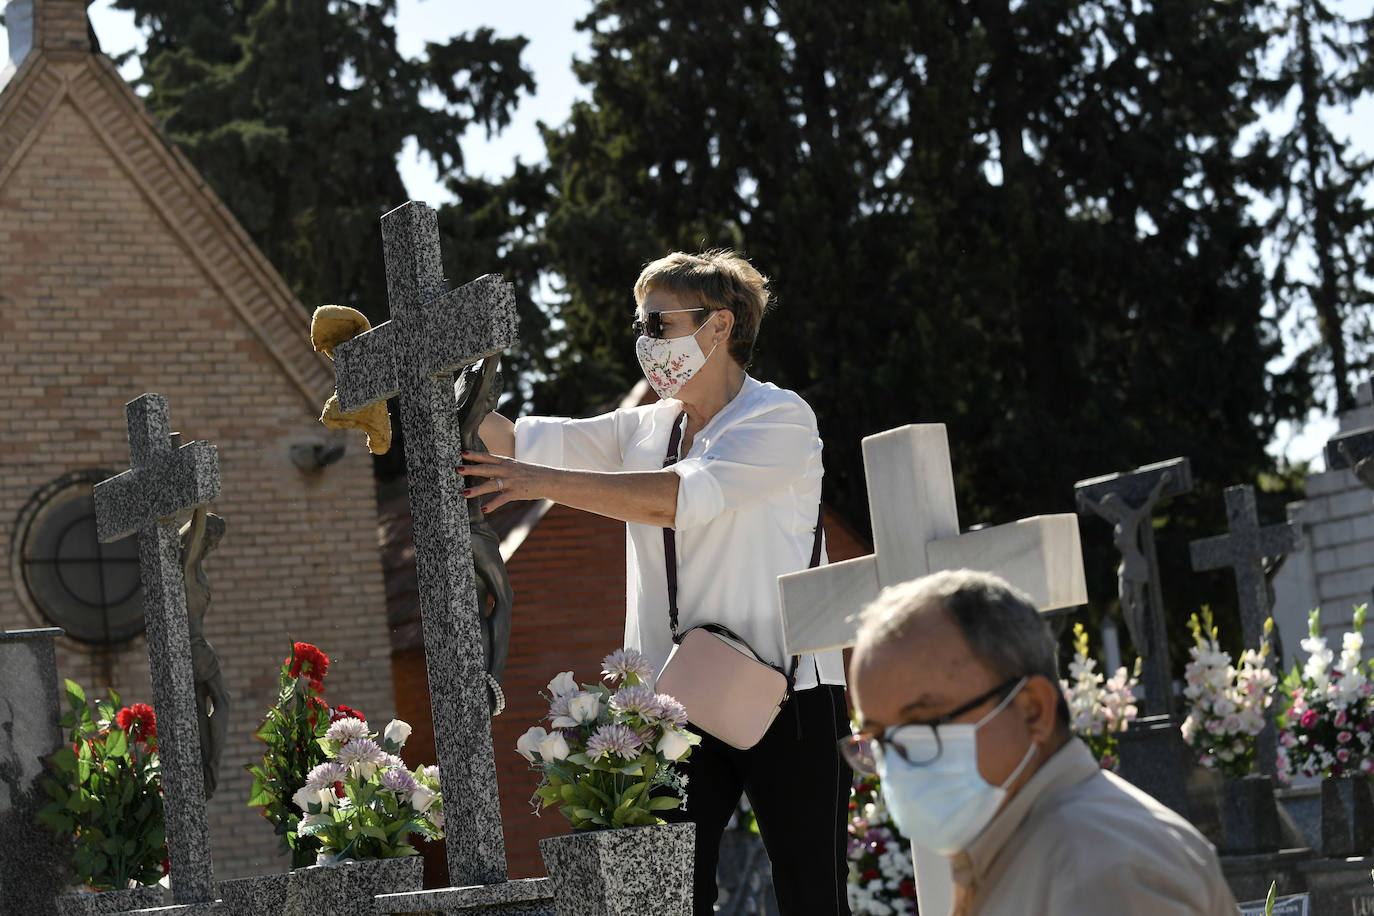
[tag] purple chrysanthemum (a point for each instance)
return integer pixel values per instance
(326, 774)
(624, 662)
(361, 751)
(346, 730)
(637, 700)
(620, 740)
(673, 711)
(399, 780)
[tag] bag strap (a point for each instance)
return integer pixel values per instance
(670, 550)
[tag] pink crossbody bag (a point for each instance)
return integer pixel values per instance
(728, 691)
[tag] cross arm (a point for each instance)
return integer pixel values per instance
(448, 338)
(1279, 540)
(1358, 443)
(174, 481)
(364, 368)
(1042, 556)
(1136, 486)
(820, 605)
(1211, 553)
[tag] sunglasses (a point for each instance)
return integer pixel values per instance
(651, 325)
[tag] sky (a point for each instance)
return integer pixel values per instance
(554, 41)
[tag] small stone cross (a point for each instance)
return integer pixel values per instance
(433, 333)
(166, 479)
(1244, 550)
(1126, 501)
(916, 532)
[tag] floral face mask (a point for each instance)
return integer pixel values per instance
(669, 363)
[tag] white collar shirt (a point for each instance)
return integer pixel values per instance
(748, 496)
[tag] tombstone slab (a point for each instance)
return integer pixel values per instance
(32, 860)
(164, 480)
(528, 897)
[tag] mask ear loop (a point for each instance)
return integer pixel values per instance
(1030, 751)
(713, 346)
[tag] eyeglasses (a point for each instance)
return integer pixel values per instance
(652, 323)
(918, 743)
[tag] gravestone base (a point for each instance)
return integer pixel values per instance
(1249, 877)
(632, 871)
(1300, 814)
(1340, 885)
(347, 889)
(1347, 816)
(1155, 759)
(527, 897)
(213, 908)
(104, 903)
(1249, 817)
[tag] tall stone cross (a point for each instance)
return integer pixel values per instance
(1126, 502)
(167, 478)
(433, 333)
(1244, 550)
(916, 532)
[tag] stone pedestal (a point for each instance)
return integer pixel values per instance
(1249, 877)
(1340, 885)
(529, 897)
(1300, 815)
(1155, 759)
(107, 902)
(637, 871)
(349, 889)
(1249, 816)
(32, 861)
(1347, 816)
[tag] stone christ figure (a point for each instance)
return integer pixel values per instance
(478, 390)
(1133, 575)
(199, 536)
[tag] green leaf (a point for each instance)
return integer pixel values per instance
(75, 695)
(117, 743)
(664, 803)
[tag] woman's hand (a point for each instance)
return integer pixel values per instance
(506, 478)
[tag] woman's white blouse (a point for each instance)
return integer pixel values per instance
(746, 514)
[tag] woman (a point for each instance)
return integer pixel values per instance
(743, 500)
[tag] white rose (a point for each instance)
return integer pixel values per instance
(422, 799)
(396, 732)
(554, 747)
(563, 685)
(327, 798)
(673, 744)
(528, 743)
(585, 707)
(305, 797)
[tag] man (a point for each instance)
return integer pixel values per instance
(957, 692)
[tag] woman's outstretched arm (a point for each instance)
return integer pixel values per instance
(647, 497)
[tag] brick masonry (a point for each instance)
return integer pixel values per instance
(120, 273)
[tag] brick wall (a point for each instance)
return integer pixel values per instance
(569, 581)
(119, 275)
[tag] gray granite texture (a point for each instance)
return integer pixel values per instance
(1347, 816)
(1249, 816)
(528, 897)
(1244, 551)
(162, 481)
(1301, 807)
(431, 336)
(32, 859)
(1109, 495)
(107, 902)
(349, 889)
(1249, 877)
(637, 871)
(1340, 886)
(1155, 759)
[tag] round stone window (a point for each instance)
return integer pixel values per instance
(87, 588)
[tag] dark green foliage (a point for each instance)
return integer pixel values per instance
(1026, 221)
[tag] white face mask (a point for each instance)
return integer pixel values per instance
(944, 804)
(669, 362)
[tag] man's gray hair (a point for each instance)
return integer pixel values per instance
(998, 621)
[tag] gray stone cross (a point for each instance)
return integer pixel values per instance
(433, 333)
(1126, 501)
(166, 479)
(1244, 550)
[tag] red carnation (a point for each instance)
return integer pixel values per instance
(1309, 719)
(907, 888)
(307, 658)
(315, 705)
(868, 875)
(346, 712)
(138, 720)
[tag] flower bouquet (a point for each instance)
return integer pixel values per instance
(882, 877)
(292, 731)
(1226, 704)
(607, 760)
(106, 793)
(362, 802)
(1326, 729)
(1099, 708)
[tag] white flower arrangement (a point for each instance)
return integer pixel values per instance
(1100, 708)
(1226, 703)
(1328, 727)
(882, 879)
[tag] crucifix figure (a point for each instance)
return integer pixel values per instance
(1246, 550)
(199, 537)
(166, 479)
(1127, 502)
(1353, 450)
(433, 333)
(916, 532)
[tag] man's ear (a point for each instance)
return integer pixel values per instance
(1038, 702)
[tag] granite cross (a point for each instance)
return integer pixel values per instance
(1126, 500)
(916, 532)
(433, 333)
(1244, 550)
(166, 479)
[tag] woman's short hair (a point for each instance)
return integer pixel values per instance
(714, 280)
(999, 622)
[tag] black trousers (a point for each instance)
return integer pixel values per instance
(798, 786)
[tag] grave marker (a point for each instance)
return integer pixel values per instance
(166, 479)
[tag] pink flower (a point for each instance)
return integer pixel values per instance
(1339, 720)
(1344, 738)
(1367, 765)
(1343, 754)
(1309, 718)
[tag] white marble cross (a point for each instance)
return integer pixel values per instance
(916, 532)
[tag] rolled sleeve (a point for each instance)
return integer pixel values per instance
(750, 461)
(539, 440)
(593, 444)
